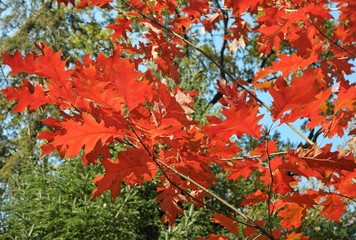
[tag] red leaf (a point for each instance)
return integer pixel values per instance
(319, 160)
(75, 135)
(281, 180)
(170, 197)
(255, 197)
(347, 184)
(296, 236)
(48, 65)
(92, 3)
(291, 97)
(121, 26)
(133, 166)
(26, 95)
(242, 168)
(238, 121)
(337, 123)
(226, 222)
(292, 216)
(119, 72)
(232, 95)
(239, 7)
(294, 61)
(249, 231)
(333, 207)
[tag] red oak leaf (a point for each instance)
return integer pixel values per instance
(47, 65)
(238, 121)
(291, 97)
(337, 123)
(27, 95)
(277, 24)
(75, 135)
(262, 150)
(121, 26)
(226, 222)
(295, 236)
(251, 231)
(170, 197)
(282, 181)
(92, 3)
(119, 72)
(255, 197)
(333, 207)
(320, 160)
(242, 168)
(133, 166)
(346, 96)
(347, 185)
(232, 95)
(294, 61)
(239, 7)
(292, 216)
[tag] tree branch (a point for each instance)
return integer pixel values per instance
(223, 47)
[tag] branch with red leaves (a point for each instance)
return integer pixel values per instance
(106, 101)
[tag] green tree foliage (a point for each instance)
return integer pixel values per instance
(55, 204)
(74, 32)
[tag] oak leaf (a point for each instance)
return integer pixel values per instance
(226, 222)
(255, 197)
(292, 216)
(170, 198)
(74, 135)
(132, 166)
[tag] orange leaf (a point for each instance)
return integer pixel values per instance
(296, 236)
(75, 135)
(238, 121)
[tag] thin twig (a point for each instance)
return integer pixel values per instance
(223, 47)
(342, 195)
(270, 189)
(256, 156)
